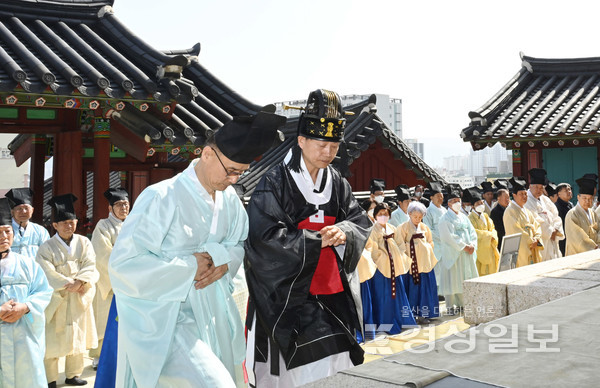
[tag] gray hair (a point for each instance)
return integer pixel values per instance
(502, 191)
(416, 206)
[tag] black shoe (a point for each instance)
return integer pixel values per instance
(75, 381)
(52, 384)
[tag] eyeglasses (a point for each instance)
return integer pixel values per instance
(231, 171)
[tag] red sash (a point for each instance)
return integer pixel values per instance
(326, 279)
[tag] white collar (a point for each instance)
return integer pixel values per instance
(516, 204)
(7, 266)
(418, 227)
(587, 212)
(479, 215)
(191, 173)
(114, 218)
(64, 243)
(16, 225)
(306, 185)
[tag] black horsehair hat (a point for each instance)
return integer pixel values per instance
(435, 187)
(487, 187)
(20, 196)
(453, 191)
(116, 194)
(518, 184)
(377, 185)
(587, 184)
(551, 189)
(5, 216)
(538, 176)
(245, 138)
(402, 193)
(474, 195)
(63, 207)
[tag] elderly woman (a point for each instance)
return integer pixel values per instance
(390, 307)
(419, 282)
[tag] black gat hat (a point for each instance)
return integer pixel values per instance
(245, 138)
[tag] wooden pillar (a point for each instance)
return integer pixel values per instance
(36, 176)
(138, 181)
(159, 174)
(68, 168)
(101, 167)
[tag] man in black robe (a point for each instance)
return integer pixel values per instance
(563, 204)
(497, 213)
(306, 235)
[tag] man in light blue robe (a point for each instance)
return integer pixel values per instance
(24, 294)
(172, 267)
(459, 252)
(399, 215)
(28, 236)
(435, 211)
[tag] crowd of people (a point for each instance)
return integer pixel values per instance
(323, 272)
(463, 232)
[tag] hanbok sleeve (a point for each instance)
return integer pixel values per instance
(102, 243)
(38, 296)
(231, 250)
(44, 258)
(139, 266)
(87, 263)
(449, 236)
(355, 224)
(575, 232)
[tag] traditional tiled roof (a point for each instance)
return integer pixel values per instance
(79, 48)
(362, 130)
(548, 100)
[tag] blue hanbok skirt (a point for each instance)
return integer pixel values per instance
(107, 365)
(390, 315)
(423, 297)
(369, 326)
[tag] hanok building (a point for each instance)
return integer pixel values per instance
(78, 86)
(548, 114)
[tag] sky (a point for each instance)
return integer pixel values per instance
(442, 58)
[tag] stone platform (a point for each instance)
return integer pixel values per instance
(494, 296)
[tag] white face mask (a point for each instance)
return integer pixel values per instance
(379, 199)
(418, 194)
(468, 208)
(383, 219)
(480, 208)
(456, 206)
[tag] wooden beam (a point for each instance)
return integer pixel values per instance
(28, 128)
(128, 141)
(68, 171)
(23, 153)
